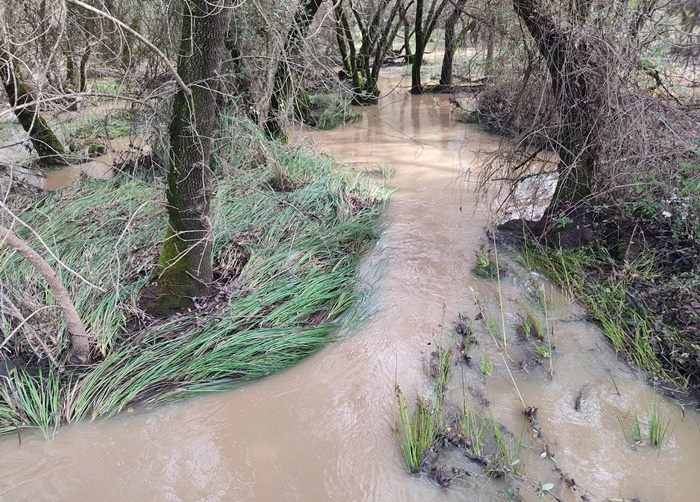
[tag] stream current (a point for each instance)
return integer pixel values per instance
(322, 430)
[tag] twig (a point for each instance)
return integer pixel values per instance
(135, 33)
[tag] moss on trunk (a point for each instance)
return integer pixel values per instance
(21, 99)
(185, 263)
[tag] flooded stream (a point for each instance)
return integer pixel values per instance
(323, 429)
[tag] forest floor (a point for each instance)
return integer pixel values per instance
(289, 228)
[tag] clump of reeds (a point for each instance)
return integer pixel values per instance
(658, 426)
(301, 251)
(417, 432)
(535, 333)
(334, 110)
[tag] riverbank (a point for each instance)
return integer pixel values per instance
(639, 280)
(289, 227)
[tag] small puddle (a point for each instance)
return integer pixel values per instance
(13, 151)
(322, 430)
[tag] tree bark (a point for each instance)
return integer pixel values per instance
(79, 339)
(377, 35)
(44, 141)
(185, 264)
(572, 84)
(423, 30)
(283, 80)
(82, 85)
(451, 42)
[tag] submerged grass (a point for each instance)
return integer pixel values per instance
(302, 247)
(629, 329)
(334, 110)
(631, 428)
(417, 432)
(658, 425)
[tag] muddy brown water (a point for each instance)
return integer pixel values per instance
(323, 429)
(13, 152)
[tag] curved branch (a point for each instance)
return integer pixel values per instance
(135, 33)
(79, 339)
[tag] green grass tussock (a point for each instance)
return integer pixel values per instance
(331, 110)
(286, 262)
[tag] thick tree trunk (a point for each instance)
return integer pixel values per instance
(79, 339)
(283, 80)
(185, 264)
(44, 141)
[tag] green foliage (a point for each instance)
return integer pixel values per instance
(485, 364)
(658, 426)
(563, 221)
(631, 428)
(115, 124)
(27, 401)
(490, 440)
(334, 110)
(418, 432)
(486, 268)
(532, 330)
(629, 329)
(674, 202)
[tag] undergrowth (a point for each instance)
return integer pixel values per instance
(285, 263)
(331, 110)
(613, 292)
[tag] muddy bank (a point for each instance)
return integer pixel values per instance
(639, 280)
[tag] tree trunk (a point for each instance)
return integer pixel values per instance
(490, 42)
(416, 86)
(283, 80)
(128, 45)
(451, 43)
(44, 141)
(568, 63)
(423, 30)
(82, 86)
(79, 339)
(70, 71)
(185, 263)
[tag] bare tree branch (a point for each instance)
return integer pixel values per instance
(79, 339)
(129, 29)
